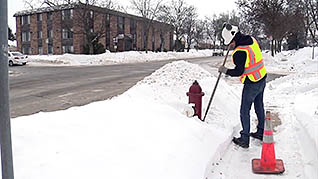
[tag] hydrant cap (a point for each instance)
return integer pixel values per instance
(195, 87)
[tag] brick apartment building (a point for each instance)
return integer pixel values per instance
(61, 29)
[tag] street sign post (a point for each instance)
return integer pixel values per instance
(5, 126)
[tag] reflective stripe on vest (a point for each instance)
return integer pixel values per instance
(254, 66)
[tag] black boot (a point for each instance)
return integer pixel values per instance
(239, 141)
(257, 136)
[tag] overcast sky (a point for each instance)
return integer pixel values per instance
(205, 7)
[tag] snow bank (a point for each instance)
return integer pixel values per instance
(113, 58)
(295, 98)
(299, 89)
(140, 134)
(299, 92)
(306, 110)
(292, 61)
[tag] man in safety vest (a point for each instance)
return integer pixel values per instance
(249, 66)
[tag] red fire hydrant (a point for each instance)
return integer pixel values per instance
(195, 96)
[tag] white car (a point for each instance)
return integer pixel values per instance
(17, 58)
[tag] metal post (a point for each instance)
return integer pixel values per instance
(5, 127)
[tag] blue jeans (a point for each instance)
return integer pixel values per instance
(252, 93)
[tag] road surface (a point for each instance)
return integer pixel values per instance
(37, 88)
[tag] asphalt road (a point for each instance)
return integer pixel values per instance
(34, 89)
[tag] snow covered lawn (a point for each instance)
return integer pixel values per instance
(144, 134)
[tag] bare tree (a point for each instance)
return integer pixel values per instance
(11, 36)
(175, 13)
(163, 30)
(148, 9)
(32, 4)
(112, 4)
(312, 18)
(214, 24)
(211, 28)
(199, 33)
(311, 7)
(189, 25)
(91, 24)
(275, 16)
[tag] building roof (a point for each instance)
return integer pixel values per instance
(44, 9)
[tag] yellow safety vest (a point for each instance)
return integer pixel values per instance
(254, 66)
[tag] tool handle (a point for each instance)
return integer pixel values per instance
(216, 84)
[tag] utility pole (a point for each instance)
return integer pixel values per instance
(5, 127)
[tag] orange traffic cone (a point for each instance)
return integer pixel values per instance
(268, 164)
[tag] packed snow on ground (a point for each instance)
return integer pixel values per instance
(113, 58)
(144, 132)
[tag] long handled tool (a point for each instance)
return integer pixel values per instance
(217, 82)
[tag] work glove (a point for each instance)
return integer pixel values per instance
(223, 69)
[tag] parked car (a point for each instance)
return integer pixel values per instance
(218, 52)
(17, 58)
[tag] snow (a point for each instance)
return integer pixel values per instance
(309, 111)
(112, 58)
(292, 61)
(144, 132)
(294, 98)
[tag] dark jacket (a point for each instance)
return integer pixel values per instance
(239, 57)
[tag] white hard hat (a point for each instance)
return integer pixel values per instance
(228, 33)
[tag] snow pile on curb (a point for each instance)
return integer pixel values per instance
(292, 61)
(309, 111)
(302, 85)
(295, 98)
(299, 93)
(113, 58)
(142, 132)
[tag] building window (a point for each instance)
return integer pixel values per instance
(120, 22)
(26, 50)
(25, 20)
(40, 50)
(50, 34)
(133, 33)
(67, 14)
(132, 26)
(68, 49)
(107, 32)
(134, 42)
(39, 34)
(39, 17)
(49, 16)
(25, 36)
(91, 14)
(64, 33)
(67, 34)
(63, 15)
(50, 49)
